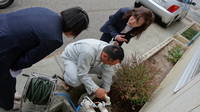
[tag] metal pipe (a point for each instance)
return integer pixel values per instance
(193, 39)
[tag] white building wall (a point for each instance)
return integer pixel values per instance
(187, 99)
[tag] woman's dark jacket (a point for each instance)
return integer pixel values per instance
(116, 24)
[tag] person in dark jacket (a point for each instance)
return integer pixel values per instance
(27, 36)
(126, 23)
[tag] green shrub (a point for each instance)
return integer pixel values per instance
(135, 81)
(175, 54)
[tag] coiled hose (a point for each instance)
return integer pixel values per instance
(39, 91)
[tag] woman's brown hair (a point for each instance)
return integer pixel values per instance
(138, 13)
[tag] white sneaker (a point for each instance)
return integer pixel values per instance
(16, 106)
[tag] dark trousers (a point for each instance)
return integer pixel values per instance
(7, 89)
(107, 38)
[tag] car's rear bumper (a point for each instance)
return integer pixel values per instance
(159, 11)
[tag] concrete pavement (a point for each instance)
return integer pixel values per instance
(99, 12)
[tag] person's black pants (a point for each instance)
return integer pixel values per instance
(7, 90)
(106, 37)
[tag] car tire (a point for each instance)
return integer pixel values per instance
(137, 5)
(5, 3)
(165, 25)
(181, 18)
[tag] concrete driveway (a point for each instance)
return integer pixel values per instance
(99, 11)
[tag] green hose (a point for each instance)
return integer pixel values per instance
(39, 91)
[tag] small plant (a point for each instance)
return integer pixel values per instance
(189, 33)
(135, 82)
(175, 54)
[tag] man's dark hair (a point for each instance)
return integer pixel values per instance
(114, 52)
(74, 20)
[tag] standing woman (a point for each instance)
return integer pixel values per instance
(125, 24)
(27, 36)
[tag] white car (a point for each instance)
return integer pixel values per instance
(167, 11)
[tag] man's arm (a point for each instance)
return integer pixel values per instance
(107, 75)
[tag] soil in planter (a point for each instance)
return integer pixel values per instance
(159, 60)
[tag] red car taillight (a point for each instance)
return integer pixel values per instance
(173, 8)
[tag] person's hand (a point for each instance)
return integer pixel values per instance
(116, 43)
(100, 93)
(120, 38)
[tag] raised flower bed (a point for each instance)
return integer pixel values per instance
(130, 87)
(188, 34)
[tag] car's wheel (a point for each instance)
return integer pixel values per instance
(165, 25)
(137, 4)
(5, 3)
(181, 18)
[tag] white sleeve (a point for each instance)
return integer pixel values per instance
(15, 73)
(107, 75)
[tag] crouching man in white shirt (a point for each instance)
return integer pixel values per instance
(91, 56)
